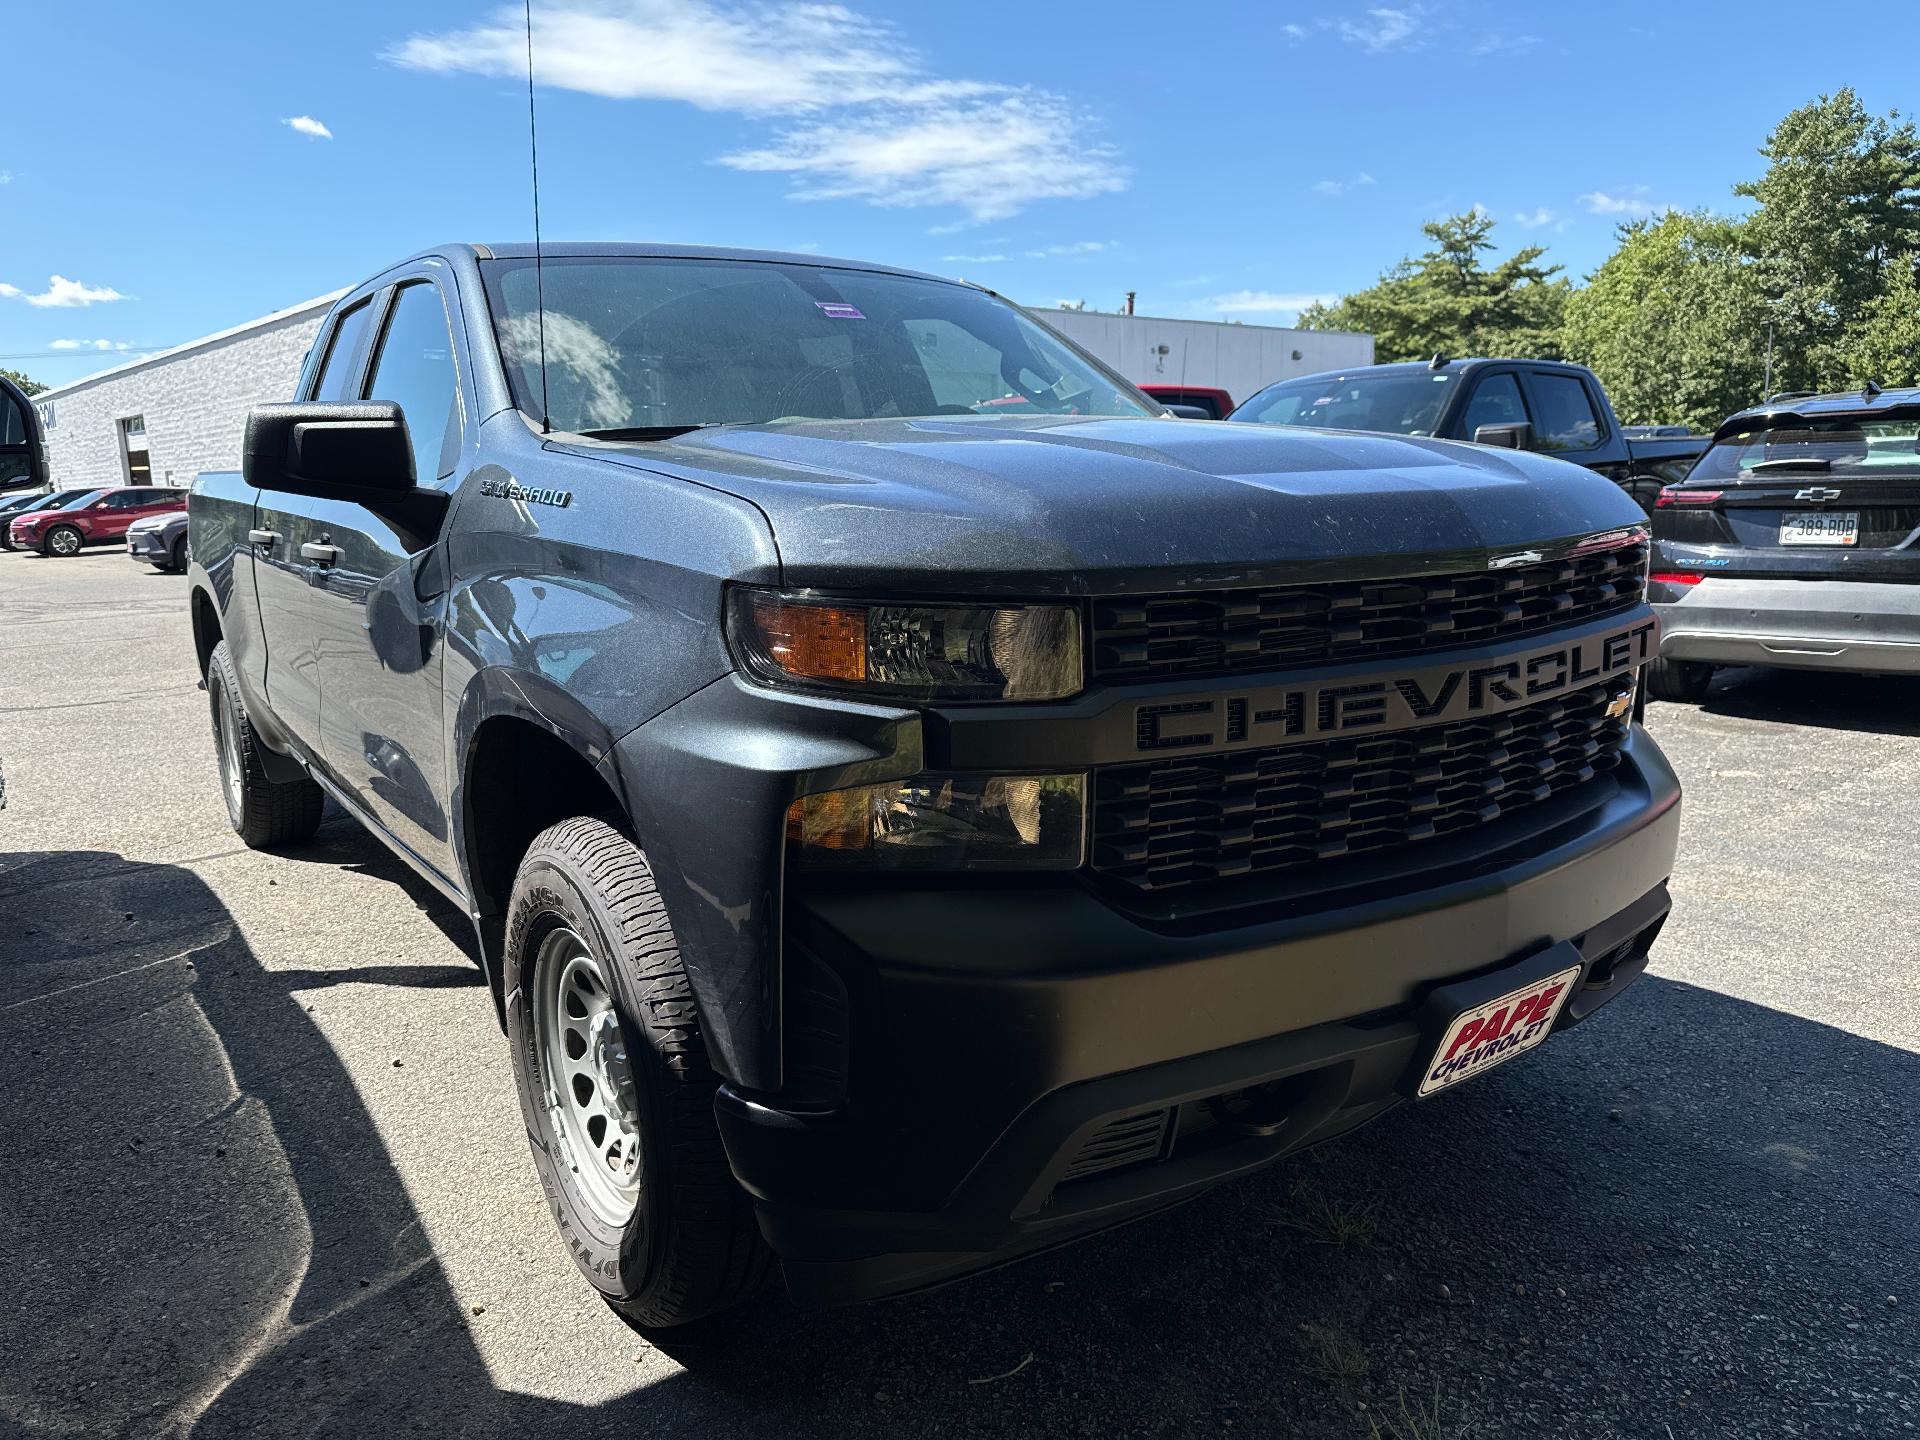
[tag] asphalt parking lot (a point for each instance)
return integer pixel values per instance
(265, 1173)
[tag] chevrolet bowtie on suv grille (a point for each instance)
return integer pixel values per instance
(917, 800)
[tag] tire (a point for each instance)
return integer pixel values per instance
(599, 1012)
(265, 813)
(62, 541)
(176, 560)
(1685, 681)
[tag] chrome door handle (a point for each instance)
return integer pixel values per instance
(265, 539)
(320, 554)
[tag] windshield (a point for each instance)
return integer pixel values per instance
(1843, 445)
(638, 343)
(1404, 402)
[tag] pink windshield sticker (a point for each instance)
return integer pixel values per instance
(838, 310)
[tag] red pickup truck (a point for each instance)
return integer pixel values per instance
(96, 518)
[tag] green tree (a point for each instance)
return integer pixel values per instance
(1673, 322)
(1883, 343)
(1837, 220)
(1447, 301)
(26, 383)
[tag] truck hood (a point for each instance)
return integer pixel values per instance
(1063, 506)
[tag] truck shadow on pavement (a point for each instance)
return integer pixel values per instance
(1875, 704)
(1688, 1214)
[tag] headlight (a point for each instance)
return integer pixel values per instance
(908, 652)
(944, 822)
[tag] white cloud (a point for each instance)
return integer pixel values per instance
(6, 177)
(308, 126)
(89, 345)
(1382, 30)
(1630, 201)
(1294, 32)
(1334, 189)
(1264, 302)
(973, 259)
(1501, 43)
(866, 118)
(1534, 219)
(62, 294)
(1078, 250)
(990, 156)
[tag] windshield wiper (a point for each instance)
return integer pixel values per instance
(648, 432)
(1805, 462)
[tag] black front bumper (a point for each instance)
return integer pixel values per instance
(1026, 1064)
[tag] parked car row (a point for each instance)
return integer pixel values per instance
(151, 520)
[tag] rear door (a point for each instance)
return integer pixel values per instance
(379, 619)
(1823, 496)
(281, 529)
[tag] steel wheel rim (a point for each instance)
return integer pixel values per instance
(591, 1097)
(231, 775)
(64, 542)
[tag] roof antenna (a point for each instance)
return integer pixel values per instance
(539, 281)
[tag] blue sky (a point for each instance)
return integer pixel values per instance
(1228, 161)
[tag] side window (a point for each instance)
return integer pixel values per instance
(127, 499)
(415, 369)
(1496, 401)
(337, 377)
(1564, 417)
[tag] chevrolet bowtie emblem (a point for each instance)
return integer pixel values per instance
(1818, 494)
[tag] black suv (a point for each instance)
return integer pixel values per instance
(1795, 541)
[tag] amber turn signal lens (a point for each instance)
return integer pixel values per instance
(821, 642)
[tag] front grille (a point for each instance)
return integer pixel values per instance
(1173, 823)
(1228, 632)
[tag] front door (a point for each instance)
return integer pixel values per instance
(380, 597)
(282, 574)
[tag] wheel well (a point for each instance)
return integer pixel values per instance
(206, 629)
(519, 780)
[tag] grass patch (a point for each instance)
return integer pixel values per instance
(1334, 1354)
(1328, 1221)
(1404, 1422)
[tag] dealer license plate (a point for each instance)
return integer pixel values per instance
(1497, 1031)
(1820, 527)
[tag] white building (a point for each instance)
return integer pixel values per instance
(164, 418)
(1239, 359)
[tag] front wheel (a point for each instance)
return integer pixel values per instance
(62, 540)
(1685, 681)
(615, 1086)
(264, 812)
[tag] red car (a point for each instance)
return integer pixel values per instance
(98, 517)
(1216, 402)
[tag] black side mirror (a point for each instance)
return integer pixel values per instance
(1507, 437)
(351, 450)
(1188, 412)
(23, 453)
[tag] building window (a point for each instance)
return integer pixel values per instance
(133, 450)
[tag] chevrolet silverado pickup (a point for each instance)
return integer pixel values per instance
(900, 834)
(1545, 405)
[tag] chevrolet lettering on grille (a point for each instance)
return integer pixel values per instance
(1431, 695)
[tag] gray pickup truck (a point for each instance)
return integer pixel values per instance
(902, 834)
